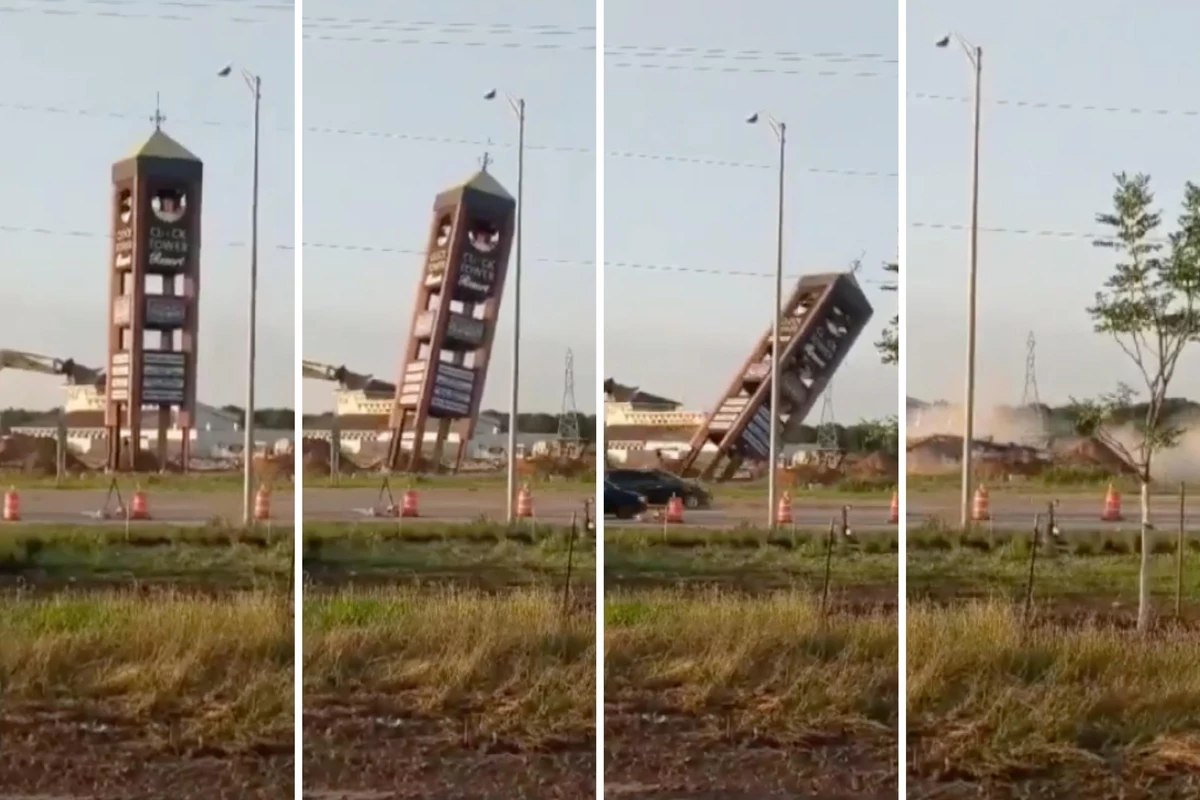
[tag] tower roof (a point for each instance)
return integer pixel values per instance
(160, 145)
(483, 182)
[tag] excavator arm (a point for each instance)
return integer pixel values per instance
(351, 381)
(76, 374)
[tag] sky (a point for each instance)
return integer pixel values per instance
(669, 110)
(394, 113)
(80, 95)
(1041, 168)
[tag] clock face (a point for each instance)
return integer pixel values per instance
(125, 206)
(443, 232)
(483, 236)
(169, 205)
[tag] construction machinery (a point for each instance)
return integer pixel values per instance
(347, 380)
(76, 375)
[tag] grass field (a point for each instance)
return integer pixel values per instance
(187, 670)
(516, 664)
(719, 693)
(89, 556)
(1085, 709)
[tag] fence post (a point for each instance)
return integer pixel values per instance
(1037, 523)
(570, 559)
(1179, 554)
(828, 567)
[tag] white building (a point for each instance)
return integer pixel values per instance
(216, 433)
(362, 420)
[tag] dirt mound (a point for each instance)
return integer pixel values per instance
(35, 456)
(1088, 452)
(873, 465)
(318, 458)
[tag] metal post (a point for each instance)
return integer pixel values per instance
(516, 351)
(248, 446)
(776, 309)
(976, 58)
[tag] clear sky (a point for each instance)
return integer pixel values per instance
(394, 113)
(79, 92)
(1044, 168)
(683, 334)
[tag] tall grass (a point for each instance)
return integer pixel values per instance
(990, 698)
(512, 662)
(767, 663)
(213, 668)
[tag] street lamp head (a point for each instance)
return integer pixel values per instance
(753, 118)
(224, 73)
(490, 94)
(944, 41)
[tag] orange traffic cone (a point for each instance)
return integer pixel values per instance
(12, 505)
(1112, 505)
(674, 510)
(783, 514)
(979, 509)
(262, 504)
(524, 503)
(894, 513)
(138, 508)
(408, 506)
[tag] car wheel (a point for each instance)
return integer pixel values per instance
(691, 501)
(625, 513)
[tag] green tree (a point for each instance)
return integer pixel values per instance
(889, 344)
(1149, 307)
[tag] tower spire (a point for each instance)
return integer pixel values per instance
(158, 119)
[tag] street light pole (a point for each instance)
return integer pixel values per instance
(780, 130)
(518, 106)
(974, 55)
(254, 82)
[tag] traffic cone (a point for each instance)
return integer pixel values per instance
(138, 507)
(524, 503)
(408, 506)
(783, 514)
(894, 513)
(979, 509)
(12, 505)
(1112, 505)
(674, 510)
(262, 504)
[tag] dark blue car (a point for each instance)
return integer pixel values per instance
(622, 503)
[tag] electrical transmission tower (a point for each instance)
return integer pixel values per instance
(827, 437)
(568, 418)
(1030, 398)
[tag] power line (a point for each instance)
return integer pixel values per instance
(1042, 105)
(688, 51)
(1049, 234)
(454, 140)
(825, 73)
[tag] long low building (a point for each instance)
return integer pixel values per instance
(217, 433)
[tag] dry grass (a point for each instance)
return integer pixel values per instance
(766, 664)
(511, 662)
(987, 700)
(216, 670)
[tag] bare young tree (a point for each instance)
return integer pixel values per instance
(1149, 307)
(889, 344)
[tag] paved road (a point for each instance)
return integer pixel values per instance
(864, 515)
(1075, 512)
(439, 505)
(81, 507)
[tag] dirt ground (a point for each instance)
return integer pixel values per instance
(1101, 781)
(357, 751)
(66, 753)
(653, 757)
